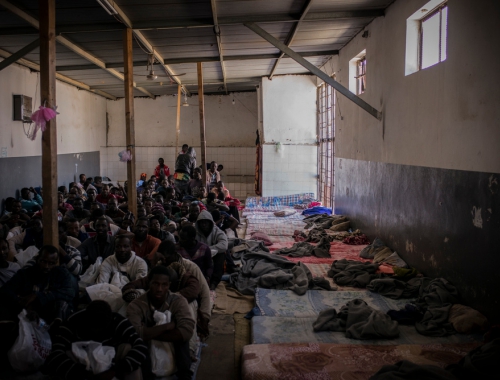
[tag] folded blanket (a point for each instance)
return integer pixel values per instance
(358, 320)
(353, 273)
(395, 289)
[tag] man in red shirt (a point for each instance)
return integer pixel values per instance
(105, 196)
(162, 170)
(144, 245)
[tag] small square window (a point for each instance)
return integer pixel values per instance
(426, 36)
(361, 76)
(433, 37)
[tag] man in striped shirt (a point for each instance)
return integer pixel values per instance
(99, 324)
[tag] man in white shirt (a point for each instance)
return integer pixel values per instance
(124, 261)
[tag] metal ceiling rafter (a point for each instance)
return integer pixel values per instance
(201, 23)
(36, 67)
(177, 61)
(144, 41)
(316, 71)
(19, 54)
(292, 35)
(219, 42)
(70, 45)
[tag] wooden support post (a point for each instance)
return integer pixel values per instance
(203, 142)
(129, 119)
(47, 12)
(178, 123)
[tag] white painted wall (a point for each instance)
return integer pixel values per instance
(230, 134)
(81, 124)
(226, 124)
(446, 116)
(289, 117)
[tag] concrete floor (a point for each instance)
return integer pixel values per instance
(217, 358)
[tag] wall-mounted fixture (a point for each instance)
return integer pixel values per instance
(22, 108)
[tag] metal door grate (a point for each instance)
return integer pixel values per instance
(326, 143)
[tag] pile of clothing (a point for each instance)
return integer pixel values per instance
(380, 253)
(322, 249)
(358, 321)
(331, 227)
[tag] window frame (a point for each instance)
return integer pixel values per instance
(437, 10)
(361, 76)
(326, 104)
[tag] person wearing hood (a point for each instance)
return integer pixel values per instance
(184, 166)
(207, 232)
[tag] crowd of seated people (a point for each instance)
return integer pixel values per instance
(167, 255)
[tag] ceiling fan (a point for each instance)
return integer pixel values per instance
(151, 76)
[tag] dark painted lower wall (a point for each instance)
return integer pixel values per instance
(19, 172)
(445, 223)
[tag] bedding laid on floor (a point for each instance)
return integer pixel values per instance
(298, 361)
(266, 330)
(284, 303)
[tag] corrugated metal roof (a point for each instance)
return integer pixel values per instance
(182, 32)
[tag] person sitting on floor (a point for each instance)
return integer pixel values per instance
(112, 230)
(183, 213)
(196, 251)
(31, 201)
(156, 231)
(45, 290)
(114, 212)
(144, 245)
(128, 222)
(99, 324)
(73, 230)
(196, 186)
(32, 235)
(211, 235)
(62, 206)
(91, 198)
(171, 197)
(162, 171)
(215, 204)
(186, 284)
(167, 256)
(124, 261)
(78, 212)
(15, 208)
(161, 212)
(101, 244)
(7, 268)
(105, 195)
(213, 176)
(194, 212)
(148, 205)
(159, 298)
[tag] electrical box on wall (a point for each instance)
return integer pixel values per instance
(22, 108)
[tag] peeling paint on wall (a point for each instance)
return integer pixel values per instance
(493, 184)
(477, 220)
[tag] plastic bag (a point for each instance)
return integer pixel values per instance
(96, 357)
(32, 346)
(107, 292)
(90, 275)
(162, 353)
(119, 280)
(24, 256)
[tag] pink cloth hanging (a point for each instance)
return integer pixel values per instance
(40, 118)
